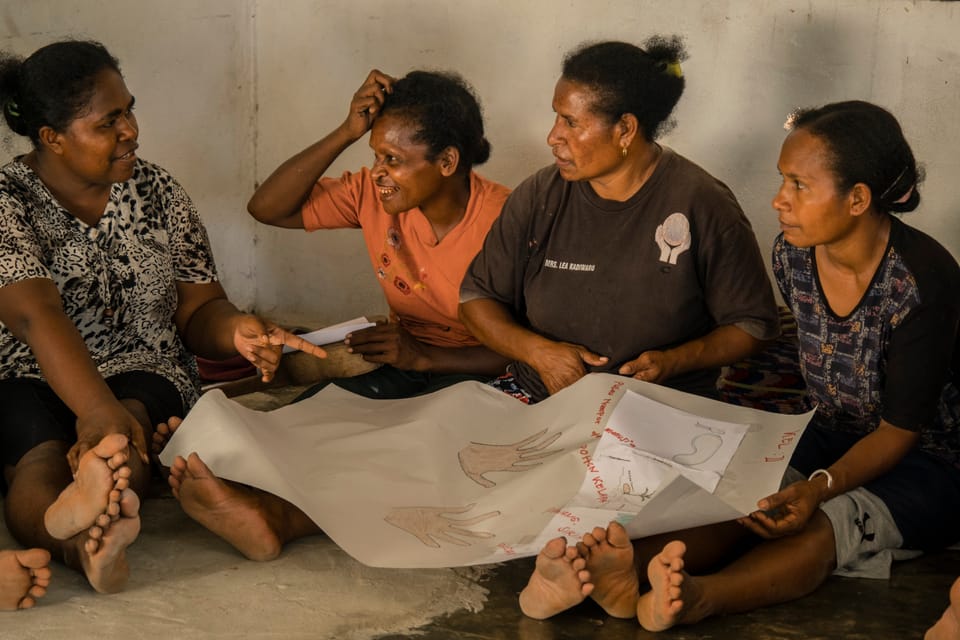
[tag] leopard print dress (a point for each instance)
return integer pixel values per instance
(117, 280)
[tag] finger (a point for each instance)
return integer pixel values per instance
(363, 105)
(75, 453)
(629, 368)
(776, 500)
(371, 348)
(281, 337)
(376, 332)
(446, 537)
(592, 359)
(139, 444)
(530, 455)
(754, 527)
(530, 440)
(384, 80)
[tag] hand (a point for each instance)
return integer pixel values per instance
(561, 364)
(366, 103)
(389, 343)
(649, 366)
(433, 525)
(261, 342)
(103, 420)
(786, 512)
(478, 458)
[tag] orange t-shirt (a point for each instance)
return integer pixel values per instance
(420, 277)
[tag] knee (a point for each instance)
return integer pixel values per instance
(823, 542)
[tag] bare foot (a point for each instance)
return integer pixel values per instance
(948, 626)
(674, 596)
(101, 476)
(558, 582)
(234, 512)
(163, 433)
(24, 577)
(104, 554)
(609, 556)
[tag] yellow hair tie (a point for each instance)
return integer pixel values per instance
(673, 68)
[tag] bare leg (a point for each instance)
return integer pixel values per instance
(948, 626)
(609, 558)
(774, 571)
(38, 481)
(95, 490)
(255, 522)
(558, 582)
(24, 577)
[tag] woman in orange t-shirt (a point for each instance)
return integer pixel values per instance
(424, 214)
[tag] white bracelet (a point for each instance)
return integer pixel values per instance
(822, 472)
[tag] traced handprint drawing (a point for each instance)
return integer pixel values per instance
(704, 446)
(431, 525)
(478, 459)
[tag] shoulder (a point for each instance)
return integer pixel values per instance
(703, 188)
(537, 191)
(486, 198)
(932, 267)
(681, 167)
(546, 180)
(151, 180)
(491, 192)
(12, 180)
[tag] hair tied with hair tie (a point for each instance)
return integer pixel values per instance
(893, 185)
(673, 68)
(902, 199)
(12, 108)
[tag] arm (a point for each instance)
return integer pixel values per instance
(559, 364)
(33, 312)
(390, 343)
(212, 327)
(279, 199)
(789, 510)
(722, 346)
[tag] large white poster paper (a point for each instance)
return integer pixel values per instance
(469, 475)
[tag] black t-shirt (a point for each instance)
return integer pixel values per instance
(669, 265)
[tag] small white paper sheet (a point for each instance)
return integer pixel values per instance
(333, 333)
(469, 475)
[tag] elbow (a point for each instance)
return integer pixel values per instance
(255, 209)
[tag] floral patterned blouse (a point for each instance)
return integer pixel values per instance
(117, 280)
(896, 356)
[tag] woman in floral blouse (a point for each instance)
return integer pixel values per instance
(107, 286)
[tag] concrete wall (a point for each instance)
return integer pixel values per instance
(227, 89)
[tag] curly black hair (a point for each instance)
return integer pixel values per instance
(446, 113)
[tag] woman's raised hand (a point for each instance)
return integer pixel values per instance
(366, 103)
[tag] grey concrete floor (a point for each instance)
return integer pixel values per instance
(186, 582)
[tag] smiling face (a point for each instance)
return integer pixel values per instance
(585, 144)
(811, 210)
(99, 145)
(402, 171)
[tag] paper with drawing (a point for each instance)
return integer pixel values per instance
(470, 475)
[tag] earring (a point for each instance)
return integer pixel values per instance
(623, 151)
